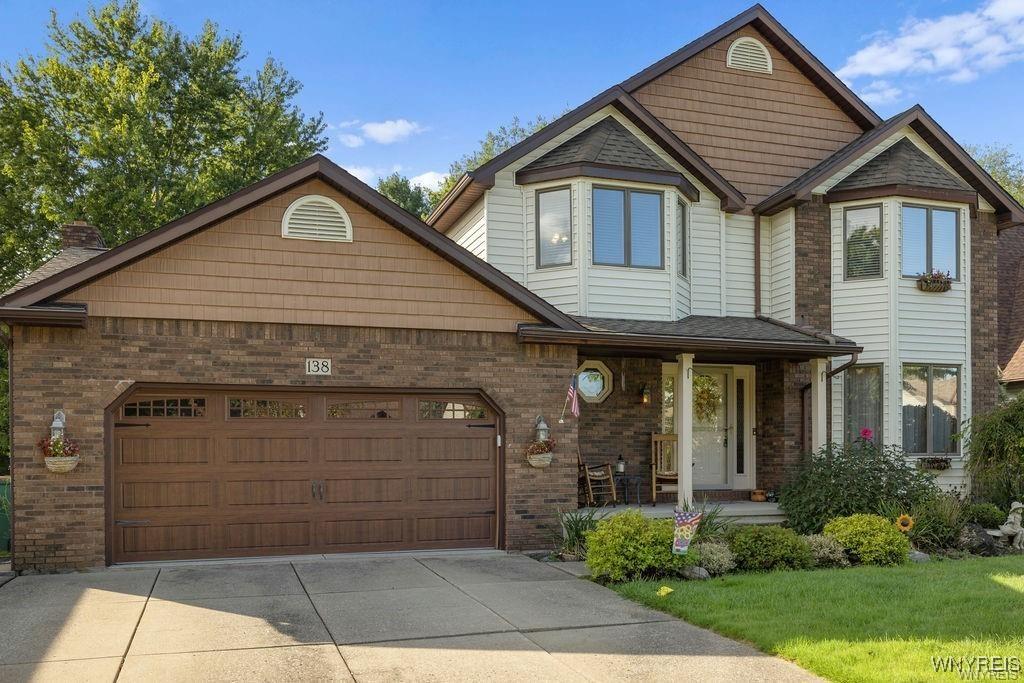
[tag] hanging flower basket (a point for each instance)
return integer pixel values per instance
(60, 454)
(935, 281)
(936, 463)
(540, 453)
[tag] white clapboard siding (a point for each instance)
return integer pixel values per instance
(470, 231)
(560, 285)
(706, 257)
(781, 266)
(739, 265)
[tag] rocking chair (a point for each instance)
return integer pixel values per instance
(664, 472)
(598, 480)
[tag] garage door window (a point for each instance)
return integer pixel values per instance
(166, 407)
(365, 410)
(451, 410)
(265, 408)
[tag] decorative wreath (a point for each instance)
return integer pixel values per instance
(707, 396)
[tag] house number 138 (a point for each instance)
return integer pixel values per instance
(318, 366)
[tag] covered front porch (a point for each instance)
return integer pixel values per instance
(700, 409)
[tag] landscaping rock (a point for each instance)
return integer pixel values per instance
(918, 556)
(975, 540)
(696, 574)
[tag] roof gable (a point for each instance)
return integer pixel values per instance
(315, 169)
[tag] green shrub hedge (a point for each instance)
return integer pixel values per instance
(856, 478)
(870, 539)
(988, 515)
(628, 546)
(714, 556)
(827, 551)
(766, 548)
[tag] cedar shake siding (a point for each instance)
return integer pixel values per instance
(758, 130)
(60, 519)
(243, 270)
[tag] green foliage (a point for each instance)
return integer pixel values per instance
(714, 556)
(855, 478)
(863, 246)
(988, 515)
(413, 198)
(1004, 164)
(713, 522)
(494, 143)
(870, 539)
(629, 546)
(995, 442)
(767, 548)
(127, 123)
(827, 551)
(572, 530)
(937, 521)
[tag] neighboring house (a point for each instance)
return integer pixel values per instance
(699, 245)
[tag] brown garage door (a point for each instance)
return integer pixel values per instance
(200, 473)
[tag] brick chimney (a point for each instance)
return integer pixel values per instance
(81, 234)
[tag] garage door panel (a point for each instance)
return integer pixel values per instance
(164, 450)
(354, 473)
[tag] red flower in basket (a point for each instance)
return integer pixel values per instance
(867, 434)
(58, 447)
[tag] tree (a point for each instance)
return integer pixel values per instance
(399, 189)
(127, 123)
(1003, 164)
(494, 143)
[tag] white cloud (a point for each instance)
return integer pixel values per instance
(387, 132)
(350, 140)
(370, 174)
(954, 47)
(430, 180)
(880, 92)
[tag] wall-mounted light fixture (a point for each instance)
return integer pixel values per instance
(58, 424)
(542, 429)
(645, 395)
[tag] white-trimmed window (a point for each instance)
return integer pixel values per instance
(554, 227)
(749, 54)
(931, 409)
(862, 242)
(315, 217)
(863, 400)
(628, 228)
(931, 240)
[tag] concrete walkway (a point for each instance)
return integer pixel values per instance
(447, 617)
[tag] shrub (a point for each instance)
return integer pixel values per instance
(937, 521)
(855, 478)
(870, 539)
(827, 551)
(629, 546)
(766, 548)
(995, 442)
(987, 515)
(714, 556)
(573, 527)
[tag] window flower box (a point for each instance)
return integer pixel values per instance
(935, 281)
(935, 463)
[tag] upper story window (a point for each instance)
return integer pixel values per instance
(749, 54)
(931, 408)
(931, 238)
(862, 240)
(315, 217)
(554, 227)
(681, 239)
(628, 228)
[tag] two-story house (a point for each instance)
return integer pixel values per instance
(720, 254)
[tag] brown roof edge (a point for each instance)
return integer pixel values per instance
(449, 199)
(897, 190)
(316, 166)
(44, 316)
(619, 340)
(786, 43)
(607, 171)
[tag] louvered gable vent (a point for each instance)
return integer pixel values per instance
(315, 217)
(749, 55)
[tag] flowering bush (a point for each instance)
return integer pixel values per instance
(58, 447)
(540, 447)
(936, 277)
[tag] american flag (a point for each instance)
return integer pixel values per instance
(573, 397)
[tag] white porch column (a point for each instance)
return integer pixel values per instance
(684, 427)
(819, 408)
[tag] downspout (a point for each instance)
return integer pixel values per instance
(803, 395)
(757, 265)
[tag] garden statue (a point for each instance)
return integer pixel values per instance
(1013, 530)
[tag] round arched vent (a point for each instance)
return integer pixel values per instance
(750, 55)
(315, 217)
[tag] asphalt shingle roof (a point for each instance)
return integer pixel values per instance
(902, 164)
(66, 258)
(606, 142)
(711, 327)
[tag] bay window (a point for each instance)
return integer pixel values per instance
(862, 239)
(863, 401)
(930, 240)
(554, 227)
(627, 228)
(931, 408)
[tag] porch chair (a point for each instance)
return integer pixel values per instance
(597, 480)
(664, 471)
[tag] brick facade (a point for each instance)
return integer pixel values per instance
(813, 267)
(780, 420)
(984, 313)
(59, 519)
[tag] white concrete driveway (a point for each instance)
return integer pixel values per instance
(456, 617)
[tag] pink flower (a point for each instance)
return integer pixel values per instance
(867, 434)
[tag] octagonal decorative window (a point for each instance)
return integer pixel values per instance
(593, 381)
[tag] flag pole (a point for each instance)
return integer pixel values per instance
(561, 417)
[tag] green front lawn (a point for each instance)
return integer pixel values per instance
(865, 623)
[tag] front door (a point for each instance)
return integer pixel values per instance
(711, 428)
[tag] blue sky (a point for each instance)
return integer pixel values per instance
(410, 86)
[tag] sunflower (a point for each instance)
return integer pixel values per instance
(905, 523)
